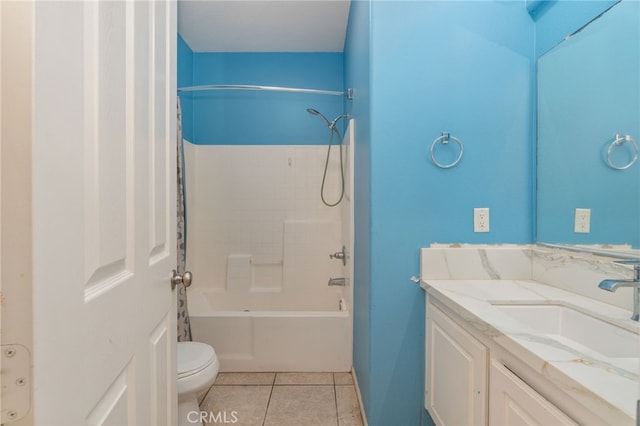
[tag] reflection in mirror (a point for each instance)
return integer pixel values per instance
(589, 96)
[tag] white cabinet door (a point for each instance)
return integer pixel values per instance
(456, 371)
(513, 402)
(104, 174)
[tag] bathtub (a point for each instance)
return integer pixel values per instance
(259, 333)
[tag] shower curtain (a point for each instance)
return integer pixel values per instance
(184, 326)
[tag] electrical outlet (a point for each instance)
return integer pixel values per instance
(481, 219)
(582, 221)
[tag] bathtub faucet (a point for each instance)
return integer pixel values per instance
(340, 255)
(613, 285)
(338, 281)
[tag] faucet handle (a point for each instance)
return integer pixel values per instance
(340, 255)
(636, 266)
(631, 262)
(628, 262)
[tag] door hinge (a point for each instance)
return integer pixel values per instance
(15, 377)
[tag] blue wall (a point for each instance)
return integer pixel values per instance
(460, 67)
(265, 118)
(556, 19)
(185, 79)
(589, 92)
(417, 69)
(358, 77)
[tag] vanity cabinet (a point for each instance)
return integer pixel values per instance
(513, 402)
(466, 386)
(456, 372)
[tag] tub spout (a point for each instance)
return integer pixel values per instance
(338, 281)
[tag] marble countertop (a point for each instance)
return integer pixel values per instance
(609, 386)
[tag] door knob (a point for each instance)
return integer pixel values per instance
(176, 279)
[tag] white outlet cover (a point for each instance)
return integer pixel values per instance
(582, 224)
(481, 219)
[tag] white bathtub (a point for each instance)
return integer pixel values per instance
(257, 334)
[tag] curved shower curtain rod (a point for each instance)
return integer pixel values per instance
(348, 93)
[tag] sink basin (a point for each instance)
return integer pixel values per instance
(574, 328)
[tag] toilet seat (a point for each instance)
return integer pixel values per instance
(197, 368)
(193, 357)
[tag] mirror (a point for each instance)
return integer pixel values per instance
(587, 134)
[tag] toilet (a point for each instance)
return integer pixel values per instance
(197, 370)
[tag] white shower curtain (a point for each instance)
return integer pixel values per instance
(184, 326)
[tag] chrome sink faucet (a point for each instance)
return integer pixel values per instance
(613, 285)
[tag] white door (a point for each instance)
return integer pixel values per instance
(104, 212)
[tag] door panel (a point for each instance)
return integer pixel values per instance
(513, 402)
(114, 406)
(456, 372)
(104, 221)
(160, 343)
(159, 126)
(107, 178)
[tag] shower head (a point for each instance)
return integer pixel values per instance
(317, 113)
(330, 125)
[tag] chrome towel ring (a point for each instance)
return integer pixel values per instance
(618, 141)
(444, 139)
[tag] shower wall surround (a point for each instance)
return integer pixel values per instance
(256, 222)
(254, 170)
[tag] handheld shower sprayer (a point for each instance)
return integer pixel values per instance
(332, 130)
(331, 125)
(317, 113)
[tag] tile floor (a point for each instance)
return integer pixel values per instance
(283, 399)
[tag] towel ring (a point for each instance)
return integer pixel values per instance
(619, 140)
(445, 138)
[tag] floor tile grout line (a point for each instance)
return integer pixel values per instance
(279, 384)
(335, 400)
(264, 419)
(339, 421)
(304, 384)
(273, 385)
(205, 395)
(243, 384)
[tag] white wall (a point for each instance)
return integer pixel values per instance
(16, 26)
(255, 220)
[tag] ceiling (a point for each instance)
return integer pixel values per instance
(263, 25)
